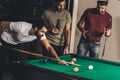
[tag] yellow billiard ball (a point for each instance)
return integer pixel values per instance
(74, 59)
(76, 69)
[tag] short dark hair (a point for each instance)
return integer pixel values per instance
(39, 23)
(103, 3)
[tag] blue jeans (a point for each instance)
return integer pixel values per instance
(85, 46)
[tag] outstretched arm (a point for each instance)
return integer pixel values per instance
(49, 48)
(47, 45)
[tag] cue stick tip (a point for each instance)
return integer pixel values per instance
(73, 64)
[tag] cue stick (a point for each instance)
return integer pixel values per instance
(73, 64)
(104, 47)
(38, 55)
(31, 53)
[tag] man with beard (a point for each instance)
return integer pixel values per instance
(59, 21)
(16, 34)
(93, 24)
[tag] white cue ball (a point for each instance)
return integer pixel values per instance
(90, 67)
(71, 62)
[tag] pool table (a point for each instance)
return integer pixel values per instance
(37, 70)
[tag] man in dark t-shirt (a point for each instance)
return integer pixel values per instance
(93, 24)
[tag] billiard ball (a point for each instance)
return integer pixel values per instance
(74, 59)
(71, 62)
(76, 69)
(90, 67)
(44, 60)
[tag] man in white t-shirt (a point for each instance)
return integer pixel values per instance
(15, 33)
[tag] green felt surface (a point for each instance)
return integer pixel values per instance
(102, 70)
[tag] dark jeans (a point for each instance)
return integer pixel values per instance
(59, 50)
